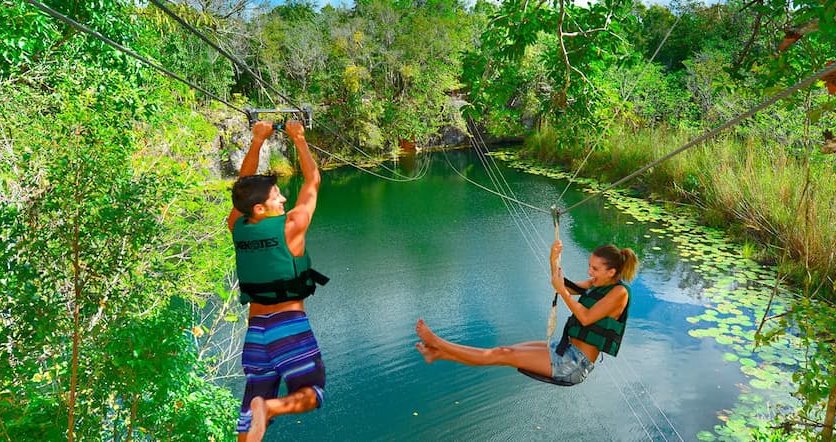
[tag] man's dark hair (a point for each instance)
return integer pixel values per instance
(251, 190)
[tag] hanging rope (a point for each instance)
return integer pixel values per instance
(553, 313)
(552, 324)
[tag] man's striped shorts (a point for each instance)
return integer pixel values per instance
(279, 346)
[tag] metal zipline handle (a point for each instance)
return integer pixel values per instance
(305, 114)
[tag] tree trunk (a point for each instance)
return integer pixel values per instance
(830, 413)
(133, 418)
(74, 362)
(407, 145)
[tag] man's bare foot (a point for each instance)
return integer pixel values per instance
(259, 422)
(430, 354)
(427, 336)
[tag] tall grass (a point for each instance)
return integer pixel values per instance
(760, 191)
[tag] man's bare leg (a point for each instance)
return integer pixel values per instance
(259, 422)
(530, 356)
(300, 401)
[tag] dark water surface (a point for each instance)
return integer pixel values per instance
(444, 250)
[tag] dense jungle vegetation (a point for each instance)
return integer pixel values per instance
(110, 199)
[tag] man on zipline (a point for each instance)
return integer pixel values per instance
(597, 324)
(275, 275)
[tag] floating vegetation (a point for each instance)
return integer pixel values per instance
(736, 292)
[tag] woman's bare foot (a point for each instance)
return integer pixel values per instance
(430, 354)
(427, 336)
(259, 421)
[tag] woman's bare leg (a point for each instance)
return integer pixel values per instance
(530, 344)
(430, 354)
(530, 356)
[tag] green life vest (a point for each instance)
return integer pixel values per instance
(267, 272)
(606, 333)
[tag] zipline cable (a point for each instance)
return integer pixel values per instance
(591, 149)
(360, 168)
(222, 51)
(627, 97)
(507, 186)
(513, 209)
(504, 197)
(160, 4)
(517, 212)
(78, 26)
(713, 132)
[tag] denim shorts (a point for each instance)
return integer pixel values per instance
(571, 368)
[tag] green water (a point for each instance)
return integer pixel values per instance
(443, 250)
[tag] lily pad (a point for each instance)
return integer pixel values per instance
(706, 436)
(730, 357)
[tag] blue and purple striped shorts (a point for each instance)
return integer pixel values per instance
(279, 346)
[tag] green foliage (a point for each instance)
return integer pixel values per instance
(182, 52)
(82, 239)
(24, 34)
(34, 38)
(382, 71)
(643, 95)
(108, 203)
(525, 71)
(723, 27)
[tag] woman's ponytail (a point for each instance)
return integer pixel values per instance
(630, 264)
(624, 261)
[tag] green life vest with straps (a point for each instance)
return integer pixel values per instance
(606, 333)
(267, 272)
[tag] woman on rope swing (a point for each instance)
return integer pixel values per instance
(597, 324)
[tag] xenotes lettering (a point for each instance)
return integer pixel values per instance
(257, 244)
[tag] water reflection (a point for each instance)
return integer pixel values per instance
(444, 250)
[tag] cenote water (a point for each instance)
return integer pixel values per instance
(444, 250)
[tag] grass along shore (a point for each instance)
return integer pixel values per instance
(781, 206)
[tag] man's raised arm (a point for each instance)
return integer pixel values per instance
(261, 131)
(300, 217)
